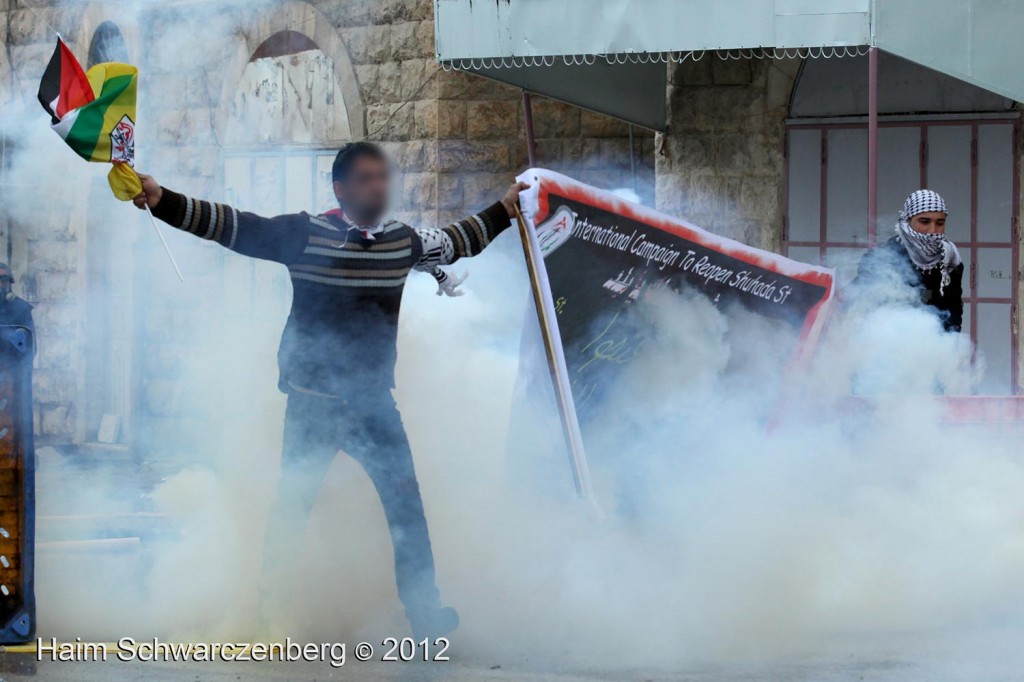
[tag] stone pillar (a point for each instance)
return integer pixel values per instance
(721, 163)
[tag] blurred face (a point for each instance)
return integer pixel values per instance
(365, 192)
(932, 222)
(5, 284)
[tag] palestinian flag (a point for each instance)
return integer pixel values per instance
(94, 112)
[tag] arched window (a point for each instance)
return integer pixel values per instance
(288, 117)
(935, 132)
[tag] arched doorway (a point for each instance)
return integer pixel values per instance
(290, 110)
(935, 132)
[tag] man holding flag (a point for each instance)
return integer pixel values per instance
(337, 356)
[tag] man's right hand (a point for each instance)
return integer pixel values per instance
(152, 192)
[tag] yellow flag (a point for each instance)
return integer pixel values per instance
(125, 182)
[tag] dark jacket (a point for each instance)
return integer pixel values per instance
(17, 312)
(892, 257)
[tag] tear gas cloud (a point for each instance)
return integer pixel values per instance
(742, 520)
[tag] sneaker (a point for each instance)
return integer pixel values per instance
(434, 622)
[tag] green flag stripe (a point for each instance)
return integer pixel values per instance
(85, 134)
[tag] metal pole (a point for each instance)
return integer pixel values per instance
(872, 146)
(632, 157)
(531, 142)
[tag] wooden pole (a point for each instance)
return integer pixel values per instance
(556, 365)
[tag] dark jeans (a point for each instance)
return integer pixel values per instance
(371, 432)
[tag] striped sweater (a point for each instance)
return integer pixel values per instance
(342, 333)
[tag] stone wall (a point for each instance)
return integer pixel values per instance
(721, 163)
(457, 139)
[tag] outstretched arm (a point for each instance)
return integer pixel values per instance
(470, 236)
(465, 239)
(277, 239)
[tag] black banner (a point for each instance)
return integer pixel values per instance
(602, 254)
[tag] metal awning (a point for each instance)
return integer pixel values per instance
(610, 55)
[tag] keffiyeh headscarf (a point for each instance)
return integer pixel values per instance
(927, 251)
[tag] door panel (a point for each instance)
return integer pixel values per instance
(899, 174)
(995, 182)
(804, 223)
(994, 339)
(949, 174)
(847, 185)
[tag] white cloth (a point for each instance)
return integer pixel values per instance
(438, 250)
(927, 251)
(923, 201)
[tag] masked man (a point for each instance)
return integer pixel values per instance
(337, 356)
(920, 255)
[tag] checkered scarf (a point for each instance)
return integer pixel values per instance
(927, 251)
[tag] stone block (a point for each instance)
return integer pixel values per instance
(582, 152)
(425, 124)
(492, 120)
(451, 119)
(368, 44)
(200, 161)
(406, 42)
(689, 150)
(551, 154)
(450, 191)
(761, 197)
(52, 386)
(555, 119)
(395, 11)
(466, 86)
(171, 126)
(56, 286)
(413, 155)
(483, 189)
(731, 71)
(692, 72)
(601, 178)
(462, 156)
(52, 256)
(713, 195)
(419, 191)
(616, 153)
(380, 82)
(391, 122)
(449, 216)
(56, 422)
(30, 61)
(414, 218)
(61, 319)
(413, 77)
(731, 153)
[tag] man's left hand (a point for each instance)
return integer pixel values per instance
(511, 199)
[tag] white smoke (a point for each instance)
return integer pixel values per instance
(742, 521)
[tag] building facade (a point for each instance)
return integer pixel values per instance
(248, 102)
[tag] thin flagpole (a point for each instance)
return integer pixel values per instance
(559, 376)
(163, 241)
